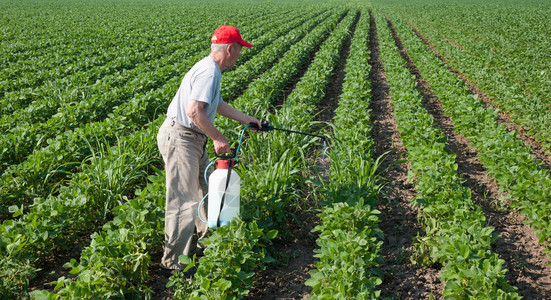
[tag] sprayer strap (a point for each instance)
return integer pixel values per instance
(224, 195)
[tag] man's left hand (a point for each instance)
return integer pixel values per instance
(254, 121)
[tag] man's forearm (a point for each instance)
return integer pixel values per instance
(200, 119)
(227, 111)
(196, 113)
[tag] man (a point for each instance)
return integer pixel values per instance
(182, 139)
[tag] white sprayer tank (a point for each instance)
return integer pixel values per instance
(217, 187)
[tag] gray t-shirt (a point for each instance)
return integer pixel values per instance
(201, 83)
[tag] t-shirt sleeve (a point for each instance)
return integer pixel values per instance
(202, 87)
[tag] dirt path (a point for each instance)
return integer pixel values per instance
(516, 243)
(398, 219)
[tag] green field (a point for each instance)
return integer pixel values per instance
(84, 87)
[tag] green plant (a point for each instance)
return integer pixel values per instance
(232, 255)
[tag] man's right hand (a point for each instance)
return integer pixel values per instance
(221, 145)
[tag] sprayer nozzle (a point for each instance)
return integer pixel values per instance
(266, 126)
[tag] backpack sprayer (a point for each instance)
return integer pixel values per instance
(224, 183)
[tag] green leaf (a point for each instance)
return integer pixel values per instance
(39, 295)
(15, 210)
(184, 259)
(11, 248)
(271, 234)
(224, 284)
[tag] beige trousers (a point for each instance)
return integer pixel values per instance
(185, 158)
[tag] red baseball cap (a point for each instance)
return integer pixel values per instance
(226, 34)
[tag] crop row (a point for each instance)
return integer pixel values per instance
(455, 232)
(233, 84)
(37, 175)
(349, 238)
(28, 83)
(43, 171)
(52, 115)
(504, 155)
(115, 264)
(71, 83)
(61, 27)
(56, 222)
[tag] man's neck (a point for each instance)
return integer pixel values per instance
(218, 59)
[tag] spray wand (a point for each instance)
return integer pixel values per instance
(266, 126)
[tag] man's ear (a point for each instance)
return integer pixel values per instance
(233, 47)
(229, 49)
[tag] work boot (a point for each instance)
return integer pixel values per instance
(166, 272)
(200, 252)
(189, 273)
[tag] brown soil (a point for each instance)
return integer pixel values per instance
(516, 243)
(454, 44)
(52, 267)
(330, 102)
(285, 279)
(158, 282)
(398, 218)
